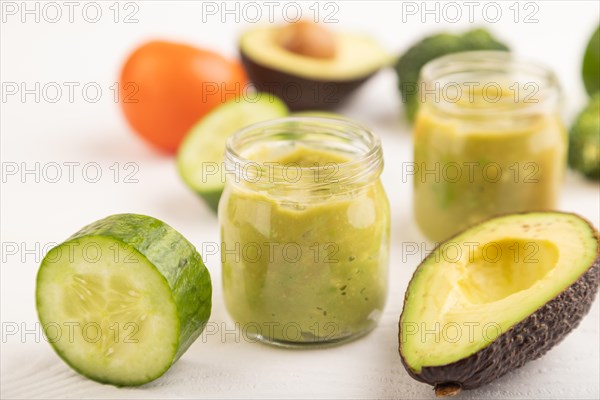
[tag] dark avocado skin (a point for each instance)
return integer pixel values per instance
(526, 341)
(297, 92)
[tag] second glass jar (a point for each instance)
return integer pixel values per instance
(305, 231)
(488, 139)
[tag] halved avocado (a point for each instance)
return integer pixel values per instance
(310, 82)
(496, 296)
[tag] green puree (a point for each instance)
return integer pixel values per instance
(470, 169)
(305, 269)
(305, 158)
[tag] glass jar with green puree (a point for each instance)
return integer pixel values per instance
(305, 227)
(488, 139)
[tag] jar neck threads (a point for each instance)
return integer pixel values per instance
(487, 84)
(253, 156)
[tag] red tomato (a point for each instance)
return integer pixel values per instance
(167, 87)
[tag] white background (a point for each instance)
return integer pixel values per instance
(223, 365)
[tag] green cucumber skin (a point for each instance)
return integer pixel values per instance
(211, 199)
(174, 257)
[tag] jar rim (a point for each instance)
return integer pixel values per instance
(366, 164)
(545, 83)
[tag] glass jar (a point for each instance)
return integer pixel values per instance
(305, 231)
(488, 139)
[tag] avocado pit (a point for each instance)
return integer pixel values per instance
(308, 39)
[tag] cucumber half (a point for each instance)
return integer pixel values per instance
(122, 299)
(200, 156)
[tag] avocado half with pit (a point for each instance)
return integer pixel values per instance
(307, 82)
(496, 296)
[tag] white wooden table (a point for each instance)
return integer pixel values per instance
(222, 365)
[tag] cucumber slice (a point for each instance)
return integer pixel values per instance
(122, 299)
(200, 156)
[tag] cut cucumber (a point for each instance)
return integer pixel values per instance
(200, 156)
(122, 299)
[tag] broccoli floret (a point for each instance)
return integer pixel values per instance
(584, 140)
(409, 65)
